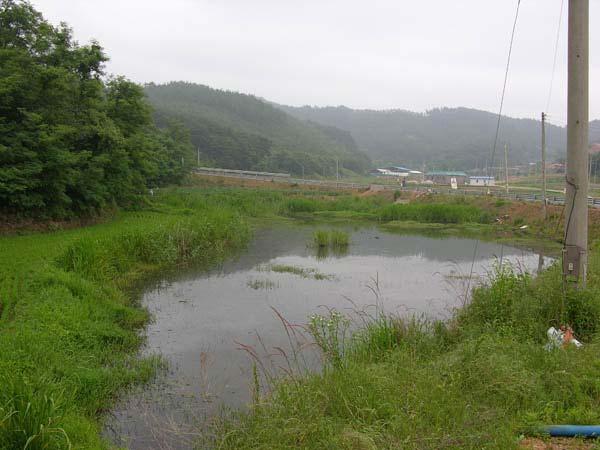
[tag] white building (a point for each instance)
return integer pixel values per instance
(395, 171)
(482, 181)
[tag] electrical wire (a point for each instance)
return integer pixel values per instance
(510, 47)
(562, 3)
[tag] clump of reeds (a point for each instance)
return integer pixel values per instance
(333, 239)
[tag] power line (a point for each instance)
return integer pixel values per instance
(562, 3)
(512, 38)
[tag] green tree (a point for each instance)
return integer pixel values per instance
(71, 143)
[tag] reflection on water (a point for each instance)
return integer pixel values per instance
(322, 252)
(202, 319)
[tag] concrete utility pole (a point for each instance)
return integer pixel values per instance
(506, 166)
(576, 208)
(337, 170)
(198, 156)
(544, 201)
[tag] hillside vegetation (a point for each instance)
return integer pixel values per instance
(446, 138)
(239, 131)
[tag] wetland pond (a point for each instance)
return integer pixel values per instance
(202, 320)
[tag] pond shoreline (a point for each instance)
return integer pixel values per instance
(266, 278)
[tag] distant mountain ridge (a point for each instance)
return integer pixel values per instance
(444, 138)
(234, 130)
(241, 131)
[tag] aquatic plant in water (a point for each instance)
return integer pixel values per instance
(304, 272)
(334, 239)
(261, 284)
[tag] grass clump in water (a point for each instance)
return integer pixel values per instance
(334, 239)
(304, 272)
(261, 284)
(321, 238)
(338, 239)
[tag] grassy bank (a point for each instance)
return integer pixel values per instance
(68, 321)
(481, 380)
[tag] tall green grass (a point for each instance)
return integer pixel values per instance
(69, 328)
(31, 417)
(203, 239)
(339, 204)
(434, 213)
(334, 239)
(261, 203)
(338, 239)
(321, 238)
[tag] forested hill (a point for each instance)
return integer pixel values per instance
(445, 138)
(239, 131)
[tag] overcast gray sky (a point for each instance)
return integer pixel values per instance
(375, 54)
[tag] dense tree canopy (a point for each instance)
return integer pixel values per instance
(71, 141)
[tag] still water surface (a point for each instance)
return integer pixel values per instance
(200, 319)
